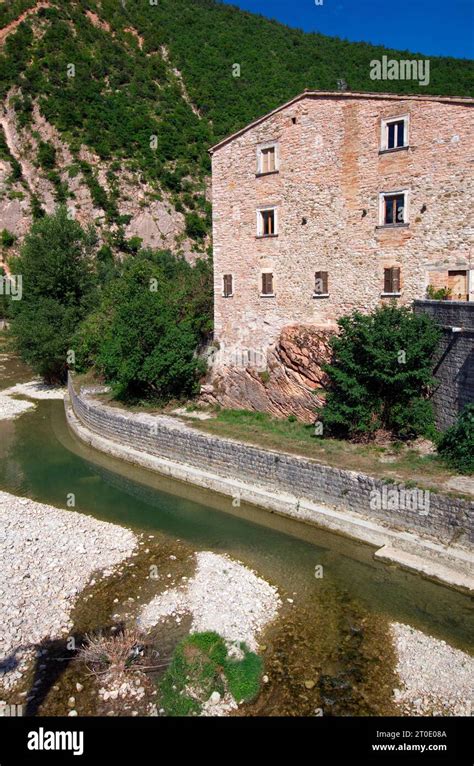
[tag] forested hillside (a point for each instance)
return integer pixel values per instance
(111, 106)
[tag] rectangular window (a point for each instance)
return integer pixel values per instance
(267, 159)
(266, 222)
(393, 209)
(391, 283)
(321, 283)
(457, 284)
(394, 133)
(395, 136)
(228, 286)
(267, 283)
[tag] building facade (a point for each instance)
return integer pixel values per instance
(336, 202)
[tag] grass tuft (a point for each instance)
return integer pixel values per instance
(201, 666)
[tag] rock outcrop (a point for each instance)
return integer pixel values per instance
(110, 191)
(292, 383)
(154, 221)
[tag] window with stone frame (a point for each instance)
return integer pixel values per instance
(267, 159)
(394, 133)
(391, 280)
(321, 283)
(267, 222)
(267, 283)
(228, 285)
(394, 212)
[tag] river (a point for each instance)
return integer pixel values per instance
(41, 459)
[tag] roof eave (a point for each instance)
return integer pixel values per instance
(339, 94)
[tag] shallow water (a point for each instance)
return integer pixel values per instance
(41, 459)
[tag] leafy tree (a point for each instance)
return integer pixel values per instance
(196, 227)
(7, 238)
(58, 285)
(4, 299)
(152, 318)
(46, 155)
(105, 264)
(456, 446)
(380, 374)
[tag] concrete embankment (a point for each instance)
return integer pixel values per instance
(435, 541)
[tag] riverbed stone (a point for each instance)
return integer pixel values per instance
(42, 541)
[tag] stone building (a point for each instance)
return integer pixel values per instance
(330, 203)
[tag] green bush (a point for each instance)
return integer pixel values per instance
(36, 207)
(380, 375)
(456, 445)
(196, 227)
(58, 285)
(152, 318)
(438, 294)
(7, 239)
(4, 299)
(46, 155)
(201, 663)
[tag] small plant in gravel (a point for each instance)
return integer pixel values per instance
(200, 666)
(243, 675)
(118, 652)
(456, 445)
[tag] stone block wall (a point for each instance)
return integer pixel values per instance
(454, 368)
(327, 195)
(449, 518)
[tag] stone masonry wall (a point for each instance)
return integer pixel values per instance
(454, 369)
(326, 192)
(449, 518)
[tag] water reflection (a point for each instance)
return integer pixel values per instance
(40, 458)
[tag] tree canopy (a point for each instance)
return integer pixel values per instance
(380, 374)
(58, 287)
(152, 318)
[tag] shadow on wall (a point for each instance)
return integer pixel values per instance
(454, 368)
(465, 382)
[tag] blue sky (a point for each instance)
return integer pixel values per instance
(432, 27)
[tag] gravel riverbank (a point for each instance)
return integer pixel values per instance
(11, 407)
(224, 596)
(436, 678)
(47, 557)
(35, 389)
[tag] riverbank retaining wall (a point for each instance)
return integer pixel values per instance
(447, 518)
(454, 367)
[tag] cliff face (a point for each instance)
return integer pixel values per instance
(292, 383)
(51, 156)
(156, 222)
